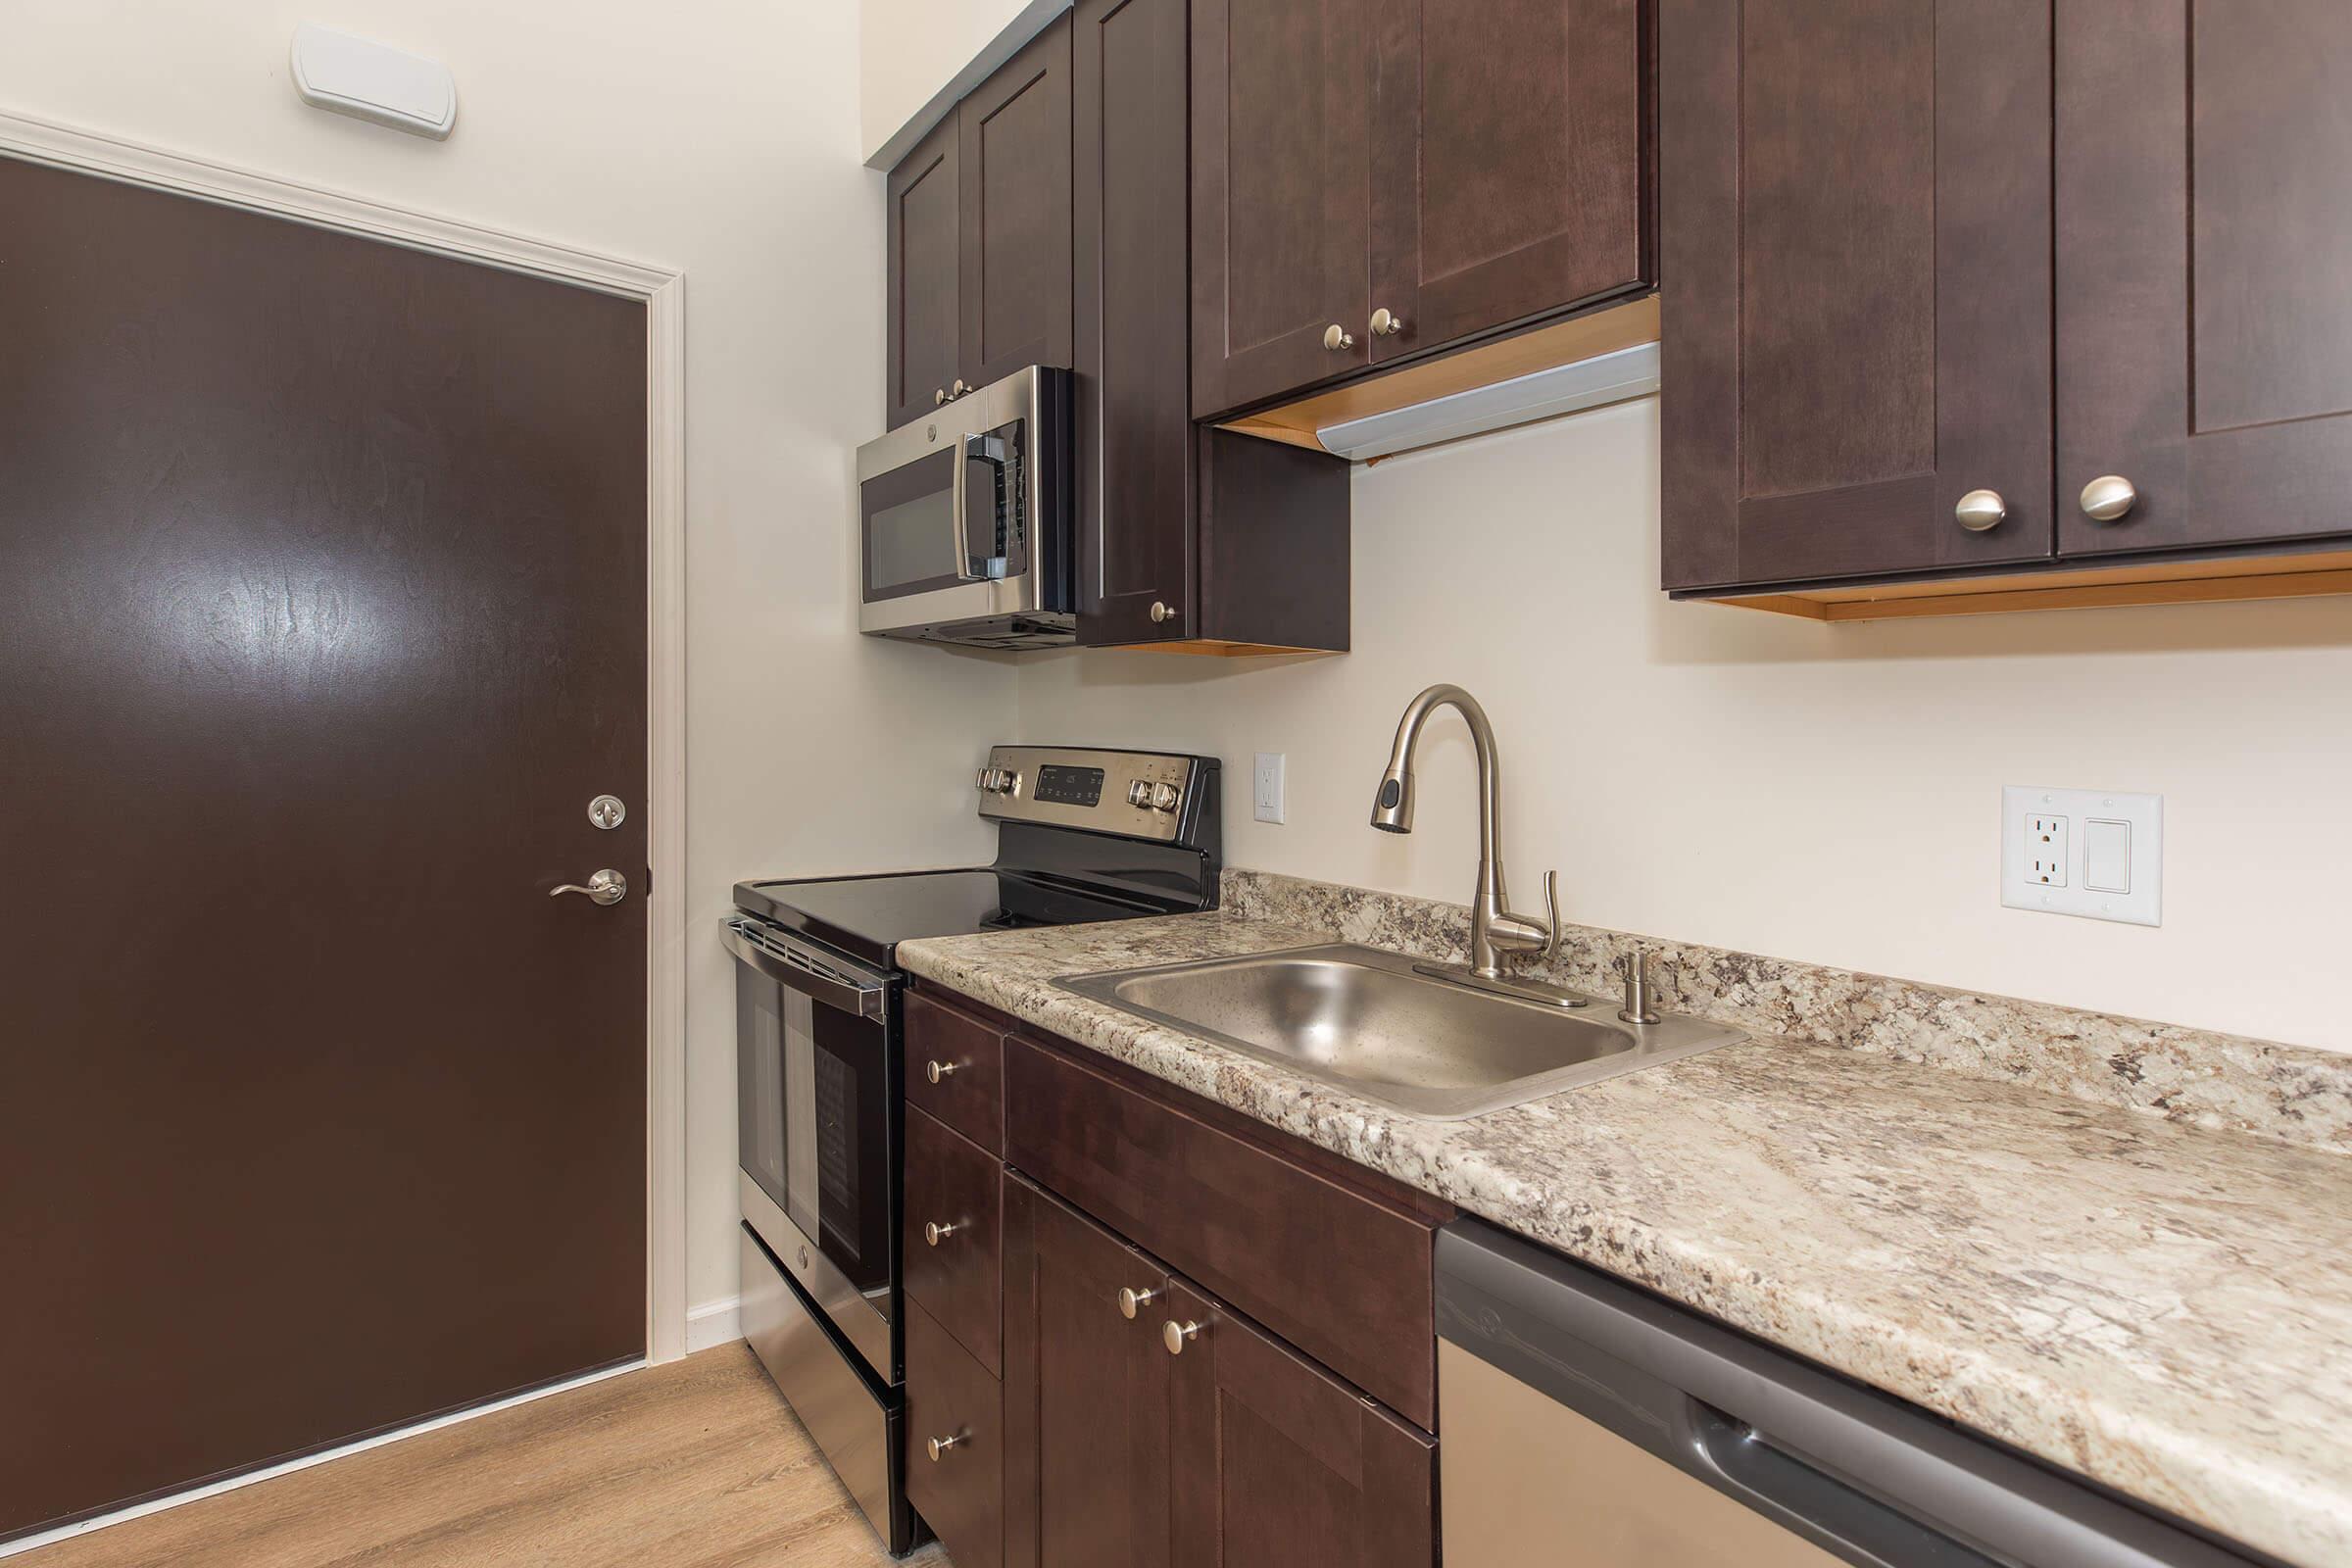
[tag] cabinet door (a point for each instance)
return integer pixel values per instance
(1016, 212)
(955, 1461)
(1085, 1393)
(1274, 1460)
(1506, 162)
(1136, 476)
(925, 273)
(1282, 113)
(2226, 405)
(1854, 213)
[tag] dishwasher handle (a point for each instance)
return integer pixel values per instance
(1750, 1468)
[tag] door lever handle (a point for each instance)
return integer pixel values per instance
(604, 887)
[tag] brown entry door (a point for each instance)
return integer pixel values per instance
(321, 622)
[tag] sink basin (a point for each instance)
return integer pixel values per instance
(1376, 1023)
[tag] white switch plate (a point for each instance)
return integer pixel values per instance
(2057, 844)
(1265, 787)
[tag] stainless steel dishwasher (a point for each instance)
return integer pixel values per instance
(1587, 1424)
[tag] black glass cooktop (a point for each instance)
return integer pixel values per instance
(869, 917)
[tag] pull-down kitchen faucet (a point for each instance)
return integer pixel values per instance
(1494, 929)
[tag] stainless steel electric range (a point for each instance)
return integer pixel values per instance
(1082, 835)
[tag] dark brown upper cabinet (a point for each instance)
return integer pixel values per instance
(1931, 340)
(2226, 407)
(1282, 124)
(1855, 225)
(1016, 212)
(1138, 493)
(979, 224)
(1191, 537)
(925, 275)
(1507, 150)
(1379, 180)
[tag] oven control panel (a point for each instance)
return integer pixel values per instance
(1163, 796)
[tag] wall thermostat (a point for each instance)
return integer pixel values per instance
(373, 81)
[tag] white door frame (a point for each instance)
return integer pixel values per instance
(663, 293)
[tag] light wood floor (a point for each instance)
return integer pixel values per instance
(692, 1465)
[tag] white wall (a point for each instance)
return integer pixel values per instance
(1774, 785)
(914, 49)
(721, 138)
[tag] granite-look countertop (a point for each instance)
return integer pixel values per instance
(2164, 1308)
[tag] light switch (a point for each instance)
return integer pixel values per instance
(2107, 855)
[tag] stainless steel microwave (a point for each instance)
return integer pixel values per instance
(964, 520)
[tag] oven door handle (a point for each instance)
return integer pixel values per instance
(789, 963)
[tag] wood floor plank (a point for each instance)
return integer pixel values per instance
(698, 1464)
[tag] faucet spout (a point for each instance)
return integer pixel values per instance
(1494, 930)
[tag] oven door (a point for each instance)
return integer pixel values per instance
(816, 1086)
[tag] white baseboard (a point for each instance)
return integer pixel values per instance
(10, 1548)
(713, 1323)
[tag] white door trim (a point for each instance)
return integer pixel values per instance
(663, 291)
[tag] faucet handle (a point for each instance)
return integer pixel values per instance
(1551, 905)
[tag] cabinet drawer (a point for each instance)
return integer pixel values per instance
(967, 1060)
(1345, 1277)
(952, 1397)
(950, 1245)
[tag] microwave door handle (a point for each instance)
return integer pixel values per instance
(960, 498)
(813, 978)
(971, 449)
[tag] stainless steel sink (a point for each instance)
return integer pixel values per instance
(1376, 1024)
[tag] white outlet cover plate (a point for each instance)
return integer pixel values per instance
(1265, 787)
(2142, 904)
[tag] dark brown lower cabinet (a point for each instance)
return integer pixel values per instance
(954, 1442)
(1086, 1407)
(1276, 1460)
(1142, 1420)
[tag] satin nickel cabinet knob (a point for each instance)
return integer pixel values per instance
(1979, 509)
(939, 396)
(2108, 497)
(940, 1446)
(1337, 337)
(1133, 1300)
(1173, 1334)
(958, 389)
(935, 1233)
(1385, 323)
(937, 1071)
(1159, 611)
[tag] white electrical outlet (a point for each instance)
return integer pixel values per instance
(2098, 853)
(1265, 787)
(2046, 849)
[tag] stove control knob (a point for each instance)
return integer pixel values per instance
(1164, 797)
(1139, 791)
(995, 781)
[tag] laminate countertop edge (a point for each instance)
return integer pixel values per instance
(2161, 1307)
